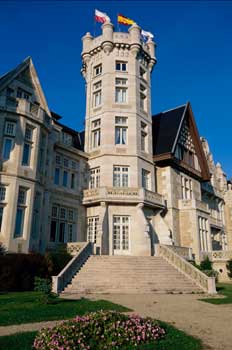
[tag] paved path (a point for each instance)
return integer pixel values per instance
(211, 323)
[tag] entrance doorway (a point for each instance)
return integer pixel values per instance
(121, 228)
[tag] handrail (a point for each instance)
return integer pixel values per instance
(60, 281)
(207, 284)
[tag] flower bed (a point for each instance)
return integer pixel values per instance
(100, 330)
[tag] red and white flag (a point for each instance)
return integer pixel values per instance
(101, 17)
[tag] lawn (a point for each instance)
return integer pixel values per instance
(25, 307)
(174, 340)
(224, 289)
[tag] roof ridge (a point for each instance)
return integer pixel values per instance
(171, 109)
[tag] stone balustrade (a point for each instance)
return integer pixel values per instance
(65, 276)
(184, 252)
(207, 284)
(220, 255)
(193, 204)
(215, 222)
(122, 194)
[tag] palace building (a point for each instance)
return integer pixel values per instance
(129, 181)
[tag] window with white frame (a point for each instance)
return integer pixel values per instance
(143, 97)
(97, 70)
(28, 141)
(121, 229)
(146, 175)
(8, 139)
(144, 137)
(23, 94)
(94, 178)
(20, 213)
(92, 228)
(121, 130)
(203, 233)
(96, 133)
(186, 188)
(2, 199)
(97, 94)
(63, 224)
(2, 193)
(120, 90)
(120, 176)
(121, 66)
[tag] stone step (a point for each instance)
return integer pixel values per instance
(129, 274)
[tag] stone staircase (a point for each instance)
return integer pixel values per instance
(129, 275)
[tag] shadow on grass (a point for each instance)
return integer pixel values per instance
(225, 295)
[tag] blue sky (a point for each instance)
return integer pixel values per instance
(194, 56)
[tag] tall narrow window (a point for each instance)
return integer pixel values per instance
(120, 130)
(120, 176)
(63, 223)
(143, 97)
(20, 213)
(73, 181)
(2, 199)
(96, 133)
(65, 178)
(92, 228)
(97, 94)
(143, 137)
(97, 70)
(121, 90)
(121, 232)
(203, 233)
(145, 179)
(57, 176)
(94, 178)
(27, 145)
(8, 140)
(186, 188)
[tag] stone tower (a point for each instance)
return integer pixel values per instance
(121, 200)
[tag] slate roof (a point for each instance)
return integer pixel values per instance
(165, 129)
(11, 74)
(78, 137)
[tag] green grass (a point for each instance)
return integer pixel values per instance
(223, 289)
(174, 340)
(25, 307)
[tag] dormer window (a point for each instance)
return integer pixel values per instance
(66, 139)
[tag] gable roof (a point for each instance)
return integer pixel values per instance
(165, 126)
(7, 78)
(166, 130)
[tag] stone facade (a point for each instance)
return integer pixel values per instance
(109, 184)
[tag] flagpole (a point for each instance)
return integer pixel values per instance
(94, 27)
(118, 23)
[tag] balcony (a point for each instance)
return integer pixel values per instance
(193, 204)
(24, 107)
(215, 222)
(123, 195)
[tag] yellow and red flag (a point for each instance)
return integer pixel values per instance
(125, 20)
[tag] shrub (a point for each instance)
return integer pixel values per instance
(229, 268)
(100, 330)
(44, 286)
(17, 271)
(57, 260)
(2, 249)
(206, 264)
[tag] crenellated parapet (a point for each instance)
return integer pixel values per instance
(129, 42)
